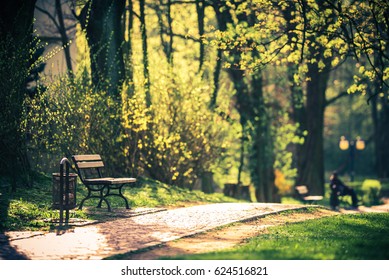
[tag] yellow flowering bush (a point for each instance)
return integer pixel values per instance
(178, 137)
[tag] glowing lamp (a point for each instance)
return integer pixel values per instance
(343, 143)
(360, 144)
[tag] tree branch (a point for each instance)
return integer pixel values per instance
(49, 16)
(332, 100)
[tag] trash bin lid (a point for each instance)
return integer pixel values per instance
(70, 174)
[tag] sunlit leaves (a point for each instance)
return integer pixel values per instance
(312, 29)
(178, 137)
(68, 117)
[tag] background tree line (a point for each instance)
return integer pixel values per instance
(253, 91)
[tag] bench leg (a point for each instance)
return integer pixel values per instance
(101, 197)
(106, 202)
(122, 196)
(119, 194)
(89, 195)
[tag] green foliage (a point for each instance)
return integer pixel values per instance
(370, 43)
(178, 137)
(285, 135)
(72, 117)
(13, 61)
(291, 32)
(153, 193)
(371, 190)
(385, 185)
(27, 215)
(31, 210)
(341, 237)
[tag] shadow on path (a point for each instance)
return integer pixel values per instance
(7, 252)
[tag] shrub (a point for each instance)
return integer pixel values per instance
(371, 189)
(13, 61)
(72, 117)
(178, 137)
(174, 140)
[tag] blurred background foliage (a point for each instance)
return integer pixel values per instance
(173, 90)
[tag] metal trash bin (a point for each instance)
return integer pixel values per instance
(72, 191)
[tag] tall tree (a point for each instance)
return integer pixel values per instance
(146, 73)
(128, 50)
(310, 115)
(200, 9)
(379, 90)
(311, 169)
(16, 27)
(365, 29)
(64, 36)
(102, 21)
(223, 18)
(262, 151)
(380, 115)
(251, 105)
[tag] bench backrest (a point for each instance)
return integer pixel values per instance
(302, 190)
(88, 166)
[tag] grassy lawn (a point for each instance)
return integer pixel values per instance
(30, 208)
(341, 237)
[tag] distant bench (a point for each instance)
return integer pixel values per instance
(89, 169)
(237, 191)
(303, 194)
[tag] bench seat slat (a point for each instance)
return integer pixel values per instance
(313, 197)
(302, 190)
(90, 164)
(110, 181)
(304, 196)
(87, 157)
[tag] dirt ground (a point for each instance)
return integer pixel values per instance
(236, 234)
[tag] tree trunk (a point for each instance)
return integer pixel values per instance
(253, 118)
(262, 151)
(200, 8)
(105, 40)
(167, 45)
(146, 73)
(170, 26)
(310, 158)
(128, 50)
(382, 141)
(380, 116)
(64, 37)
(216, 77)
(223, 17)
(102, 20)
(298, 112)
(311, 169)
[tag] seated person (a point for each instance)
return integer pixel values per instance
(339, 189)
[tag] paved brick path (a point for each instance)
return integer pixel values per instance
(122, 235)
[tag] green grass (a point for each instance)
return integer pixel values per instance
(31, 208)
(341, 237)
(153, 194)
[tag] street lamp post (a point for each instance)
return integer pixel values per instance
(357, 144)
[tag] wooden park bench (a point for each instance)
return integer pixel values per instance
(303, 194)
(89, 169)
(237, 191)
